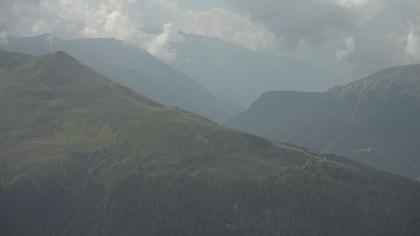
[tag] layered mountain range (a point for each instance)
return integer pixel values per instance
(241, 75)
(375, 120)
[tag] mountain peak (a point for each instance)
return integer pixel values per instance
(374, 120)
(47, 37)
(60, 55)
(58, 71)
(403, 79)
(61, 58)
(412, 67)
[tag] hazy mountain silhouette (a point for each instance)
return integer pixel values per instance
(241, 75)
(375, 120)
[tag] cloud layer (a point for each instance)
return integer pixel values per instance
(121, 19)
(232, 27)
(128, 19)
(368, 33)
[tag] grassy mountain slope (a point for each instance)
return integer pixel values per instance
(80, 155)
(133, 68)
(375, 120)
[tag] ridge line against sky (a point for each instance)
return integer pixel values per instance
(368, 34)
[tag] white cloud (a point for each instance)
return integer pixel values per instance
(352, 3)
(381, 30)
(349, 45)
(126, 19)
(120, 19)
(413, 47)
(160, 45)
(233, 28)
(168, 5)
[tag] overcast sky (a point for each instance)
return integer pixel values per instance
(369, 34)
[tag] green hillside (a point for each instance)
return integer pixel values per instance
(80, 155)
(133, 68)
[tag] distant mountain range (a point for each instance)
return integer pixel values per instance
(133, 68)
(375, 120)
(241, 75)
(209, 76)
(82, 155)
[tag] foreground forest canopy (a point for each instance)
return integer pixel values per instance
(81, 155)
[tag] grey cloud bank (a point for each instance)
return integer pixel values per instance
(368, 34)
(127, 19)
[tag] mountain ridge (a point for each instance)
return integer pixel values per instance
(133, 68)
(373, 120)
(221, 66)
